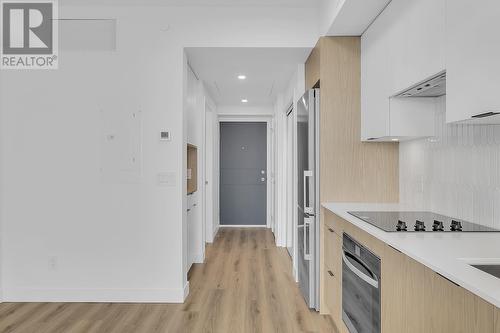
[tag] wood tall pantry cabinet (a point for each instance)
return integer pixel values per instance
(415, 299)
(350, 170)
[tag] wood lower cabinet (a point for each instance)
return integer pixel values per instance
(497, 320)
(479, 315)
(333, 274)
(414, 298)
(333, 250)
(333, 299)
(446, 301)
(393, 291)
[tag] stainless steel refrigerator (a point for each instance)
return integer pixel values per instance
(308, 196)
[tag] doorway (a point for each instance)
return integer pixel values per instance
(243, 174)
(290, 180)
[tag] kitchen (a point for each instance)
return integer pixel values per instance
(429, 263)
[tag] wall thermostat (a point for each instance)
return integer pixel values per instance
(165, 136)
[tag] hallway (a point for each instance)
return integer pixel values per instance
(244, 286)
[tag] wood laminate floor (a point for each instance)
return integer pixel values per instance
(244, 286)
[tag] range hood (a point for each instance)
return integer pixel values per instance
(432, 87)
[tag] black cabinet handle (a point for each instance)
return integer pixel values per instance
(484, 115)
(331, 273)
(330, 229)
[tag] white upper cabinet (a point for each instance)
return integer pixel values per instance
(403, 47)
(472, 59)
(419, 48)
(375, 79)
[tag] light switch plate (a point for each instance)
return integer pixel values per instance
(165, 136)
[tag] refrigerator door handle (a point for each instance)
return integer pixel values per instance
(308, 221)
(307, 193)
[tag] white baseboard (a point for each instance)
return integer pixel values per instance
(199, 259)
(245, 226)
(216, 230)
(97, 295)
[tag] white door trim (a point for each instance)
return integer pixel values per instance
(208, 179)
(238, 118)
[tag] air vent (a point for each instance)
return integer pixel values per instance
(433, 87)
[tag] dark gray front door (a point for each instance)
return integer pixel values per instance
(243, 173)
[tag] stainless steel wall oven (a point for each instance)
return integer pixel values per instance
(360, 288)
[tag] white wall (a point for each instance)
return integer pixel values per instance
(291, 95)
(239, 110)
(67, 233)
(456, 173)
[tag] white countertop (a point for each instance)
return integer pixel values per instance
(444, 253)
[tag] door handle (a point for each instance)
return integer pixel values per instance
(307, 208)
(308, 221)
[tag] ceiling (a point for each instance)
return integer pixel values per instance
(268, 72)
(281, 3)
(353, 17)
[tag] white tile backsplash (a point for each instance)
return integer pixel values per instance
(456, 173)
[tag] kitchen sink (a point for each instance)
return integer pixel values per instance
(487, 265)
(490, 269)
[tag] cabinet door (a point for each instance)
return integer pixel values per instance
(375, 79)
(446, 306)
(393, 290)
(479, 315)
(497, 320)
(418, 42)
(333, 251)
(472, 58)
(418, 297)
(334, 296)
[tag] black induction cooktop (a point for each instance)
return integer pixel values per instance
(419, 222)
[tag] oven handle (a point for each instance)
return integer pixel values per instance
(368, 279)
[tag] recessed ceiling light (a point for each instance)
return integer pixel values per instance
(242, 77)
(244, 100)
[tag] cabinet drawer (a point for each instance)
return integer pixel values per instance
(333, 250)
(334, 223)
(333, 296)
